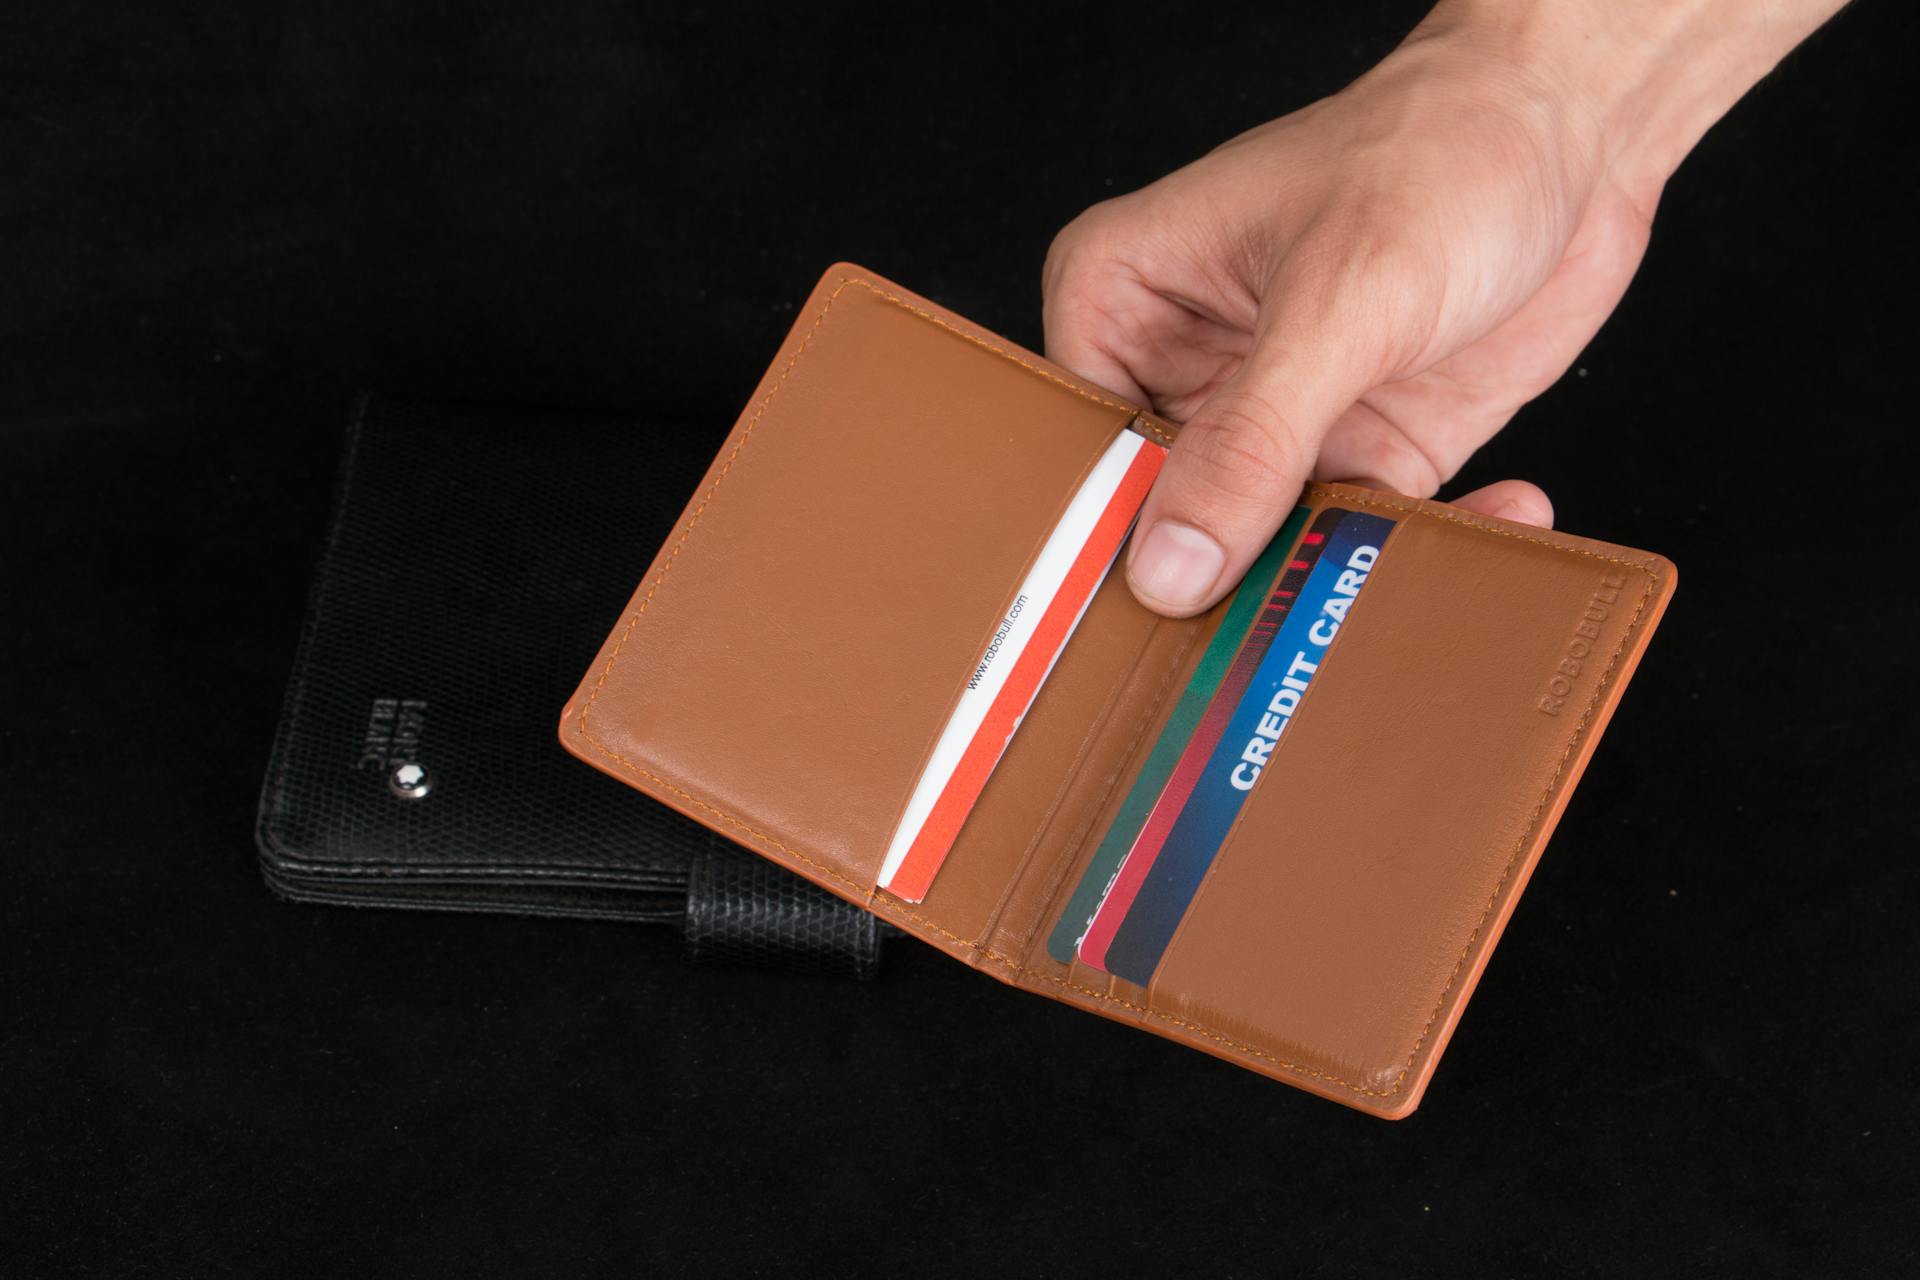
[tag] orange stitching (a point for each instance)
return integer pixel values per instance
(1018, 969)
(1416, 508)
(1533, 821)
(1210, 1034)
(1004, 354)
(706, 499)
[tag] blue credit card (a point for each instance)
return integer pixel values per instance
(1233, 770)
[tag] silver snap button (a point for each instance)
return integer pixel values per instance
(410, 781)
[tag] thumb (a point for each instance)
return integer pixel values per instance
(1234, 474)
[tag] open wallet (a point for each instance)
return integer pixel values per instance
(1287, 832)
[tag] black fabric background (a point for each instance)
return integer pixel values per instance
(1692, 1055)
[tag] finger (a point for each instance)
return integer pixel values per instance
(1510, 500)
(1239, 463)
(1073, 326)
(1076, 318)
(1365, 447)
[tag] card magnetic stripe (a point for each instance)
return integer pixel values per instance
(1147, 783)
(1295, 658)
(1139, 859)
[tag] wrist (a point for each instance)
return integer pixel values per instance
(1642, 80)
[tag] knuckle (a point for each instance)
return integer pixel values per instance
(1370, 262)
(1362, 276)
(1065, 242)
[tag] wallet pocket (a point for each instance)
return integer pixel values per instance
(1341, 924)
(1065, 758)
(798, 645)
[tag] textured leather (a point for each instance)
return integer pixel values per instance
(745, 911)
(473, 561)
(783, 668)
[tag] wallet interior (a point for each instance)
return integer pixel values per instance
(785, 668)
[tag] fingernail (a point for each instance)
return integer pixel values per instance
(1176, 566)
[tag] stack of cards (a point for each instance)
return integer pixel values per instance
(1220, 740)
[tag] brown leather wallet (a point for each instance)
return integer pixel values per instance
(786, 664)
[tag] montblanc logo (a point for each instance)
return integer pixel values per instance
(391, 745)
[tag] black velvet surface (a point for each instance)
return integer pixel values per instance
(1693, 1053)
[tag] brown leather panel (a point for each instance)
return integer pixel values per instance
(791, 658)
(1343, 925)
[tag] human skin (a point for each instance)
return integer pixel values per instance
(1369, 288)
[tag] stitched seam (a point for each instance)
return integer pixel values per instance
(1015, 968)
(1533, 822)
(403, 871)
(1453, 517)
(1004, 354)
(759, 412)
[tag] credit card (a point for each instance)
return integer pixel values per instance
(1185, 774)
(1298, 654)
(1045, 610)
(1167, 749)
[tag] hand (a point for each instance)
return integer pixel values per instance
(1368, 289)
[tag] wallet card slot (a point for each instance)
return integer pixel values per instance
(1342, 922)
(1152, 719)
(1056, 771)
(1030, 636)
(1162, 674)
(792, 655)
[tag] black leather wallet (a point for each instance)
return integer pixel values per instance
(474, 561)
